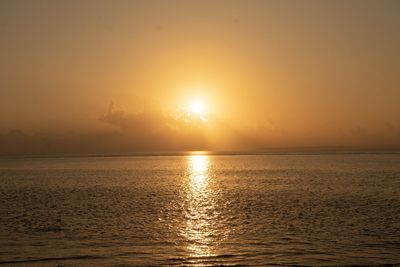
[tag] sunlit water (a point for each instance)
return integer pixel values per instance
(201, 210)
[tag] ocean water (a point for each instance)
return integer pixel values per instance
(201, 210)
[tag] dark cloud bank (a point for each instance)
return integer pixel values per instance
(134, 133)
(158, 132)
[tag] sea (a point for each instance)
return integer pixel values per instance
(200, 209)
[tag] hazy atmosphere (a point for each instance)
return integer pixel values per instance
(200, 133)
(128, 76)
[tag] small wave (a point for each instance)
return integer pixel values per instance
(82, 257)
(216, 260)
(49, 229)
(366, 265)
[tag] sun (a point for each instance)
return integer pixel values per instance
(198, 110)
(197, 107)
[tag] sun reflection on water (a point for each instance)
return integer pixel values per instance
(198, 171)
(200, 207)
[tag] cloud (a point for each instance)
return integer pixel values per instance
(156, 130)
(134, 122)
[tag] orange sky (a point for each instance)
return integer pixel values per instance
(270, 73)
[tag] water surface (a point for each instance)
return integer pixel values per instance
(201, 210)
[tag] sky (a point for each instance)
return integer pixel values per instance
(122, 76)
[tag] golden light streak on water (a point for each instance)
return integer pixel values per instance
(200, 207)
